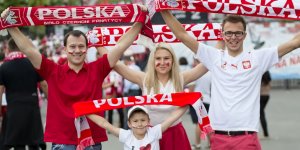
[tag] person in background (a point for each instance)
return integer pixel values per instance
(264, 99)
(23, 125)
(112, 86)
(3, 109)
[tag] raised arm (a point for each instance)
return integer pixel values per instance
(199, 70)
(289, 46)
(134, 76)
(175, 115)
(179, 31)
(124, 42)
(129, 74)
(100, 121)
(24, 44)
(194, 73)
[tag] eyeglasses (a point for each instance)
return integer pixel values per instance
(236, 33)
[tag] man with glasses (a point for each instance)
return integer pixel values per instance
(236, 76)
(73, 82)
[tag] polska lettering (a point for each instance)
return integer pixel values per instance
(31, 16)
(125, 101)
(201, 32)
(162, 33)
(287, 9)
(81, 13)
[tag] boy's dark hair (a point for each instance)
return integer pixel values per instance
(234, 19)
(75, 33)
(12, 46)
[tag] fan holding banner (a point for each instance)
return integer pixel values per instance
(236, 72)
(77, 80)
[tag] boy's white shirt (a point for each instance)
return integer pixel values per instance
(151, 139)
(236, 86)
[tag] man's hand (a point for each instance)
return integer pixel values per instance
(144, 8)
(5, 13)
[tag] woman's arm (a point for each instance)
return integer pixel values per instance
(175, 115)
(194, 73)
(129, 74)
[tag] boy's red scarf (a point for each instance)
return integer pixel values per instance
(283, 9)
(14, 55)
(108, 36)
(57, 15)
(176, 99)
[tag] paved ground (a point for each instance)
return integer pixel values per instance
(282, 111)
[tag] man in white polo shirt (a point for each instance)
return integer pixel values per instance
(236, 79)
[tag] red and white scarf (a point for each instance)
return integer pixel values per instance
(14, 55)
(57, 15)
(176, 99)
(282, 9)
(108, 36)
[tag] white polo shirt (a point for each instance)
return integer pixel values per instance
(235, 86)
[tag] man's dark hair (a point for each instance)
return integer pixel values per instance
(12, 46)
(234, 19)
(75, 33)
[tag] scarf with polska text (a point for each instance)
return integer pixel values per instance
(176, 99)
(58, 15)
(281, 9)
(108, 36)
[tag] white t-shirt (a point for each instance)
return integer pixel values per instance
(203, 85)
(236, 86)
(150, 141)
(159, 113)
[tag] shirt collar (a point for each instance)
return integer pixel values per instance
(66, 67)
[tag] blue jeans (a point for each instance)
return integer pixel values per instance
(73, 147)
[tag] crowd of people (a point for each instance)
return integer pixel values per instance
(228, 75)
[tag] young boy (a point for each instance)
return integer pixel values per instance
(141, 135)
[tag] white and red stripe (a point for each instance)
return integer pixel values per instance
(108, 36)
(281, 9)
(57, 15)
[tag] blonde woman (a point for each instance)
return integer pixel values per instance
(163, 76)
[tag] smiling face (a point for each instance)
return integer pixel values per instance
(138, 123)
(163, 61)
(234, 36)
(76, 50)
